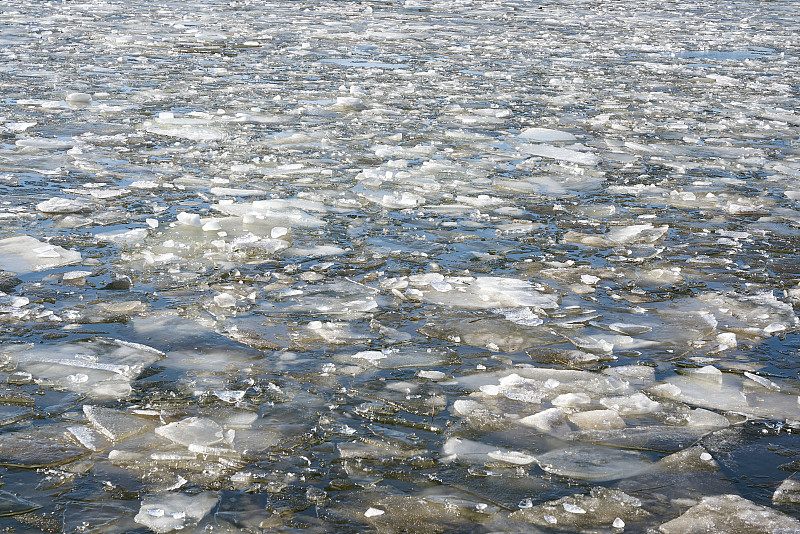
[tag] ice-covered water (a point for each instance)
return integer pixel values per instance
(421, 266)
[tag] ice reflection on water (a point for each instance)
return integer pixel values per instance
(386, 266)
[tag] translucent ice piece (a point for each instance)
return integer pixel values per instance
(192, 431)
(730, 514)
(24, 254)
(174, 511)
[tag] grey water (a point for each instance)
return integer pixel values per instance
(399, 266)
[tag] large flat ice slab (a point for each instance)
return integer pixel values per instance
(24, 254)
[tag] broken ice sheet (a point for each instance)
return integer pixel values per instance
(590, 462)
(24, 254)
(10, 504)
(39, 446)
(600, 508)
(730, 514)
(482, 292)
(99, 367)
(729, 392)
(115, 425)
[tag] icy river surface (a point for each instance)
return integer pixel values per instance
(385, 266)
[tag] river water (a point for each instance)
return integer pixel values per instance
(385, 266)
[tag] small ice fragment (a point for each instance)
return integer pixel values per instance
(760, 380)
(490, 389)
(618, 523)
(79, 98)
(772, 328)
(155, 512)
(551, 519)
(727, 339)
(372, 512)
(19, 302)
(525, 504)
(706, 457)
(278, 231)
(189, 219)
(589, 279)
(225, 300)
(152, 223)
(211, 226)
(432, 375)
(573, 509)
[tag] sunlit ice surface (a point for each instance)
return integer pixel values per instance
(386, 266)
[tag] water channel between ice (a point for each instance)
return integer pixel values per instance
(385, 266)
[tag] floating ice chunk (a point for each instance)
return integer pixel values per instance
(174, 511)
(788, 492)
(512, 457)
(597, 420)
(636, 404)
(705, 418)
(116, 425)
(598, 509)
(587, 462)
(570, 400)
(79, 98)
(225, 300)
(491, 292)
(123, 237)
(572, 508)
(618, 523)
(189, 219)
(546, 135)
(374, 512)
(91, 439)
(727, 340)
(708, 372)
(465, 449)
(372, 356)
(278, 231)
(432, 375)
(561, 154)
(774, 328)
(465, 407)
(100, 367)
(62, 205)
(549, 420)
(730, 514)
(192, 431)
(211, 226)
(630, 329)
(761, 381)
(730, 394)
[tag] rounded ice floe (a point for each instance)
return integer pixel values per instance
(79, 98)
(62, 205)
(590, 462)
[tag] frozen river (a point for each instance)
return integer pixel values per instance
(385, 266)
